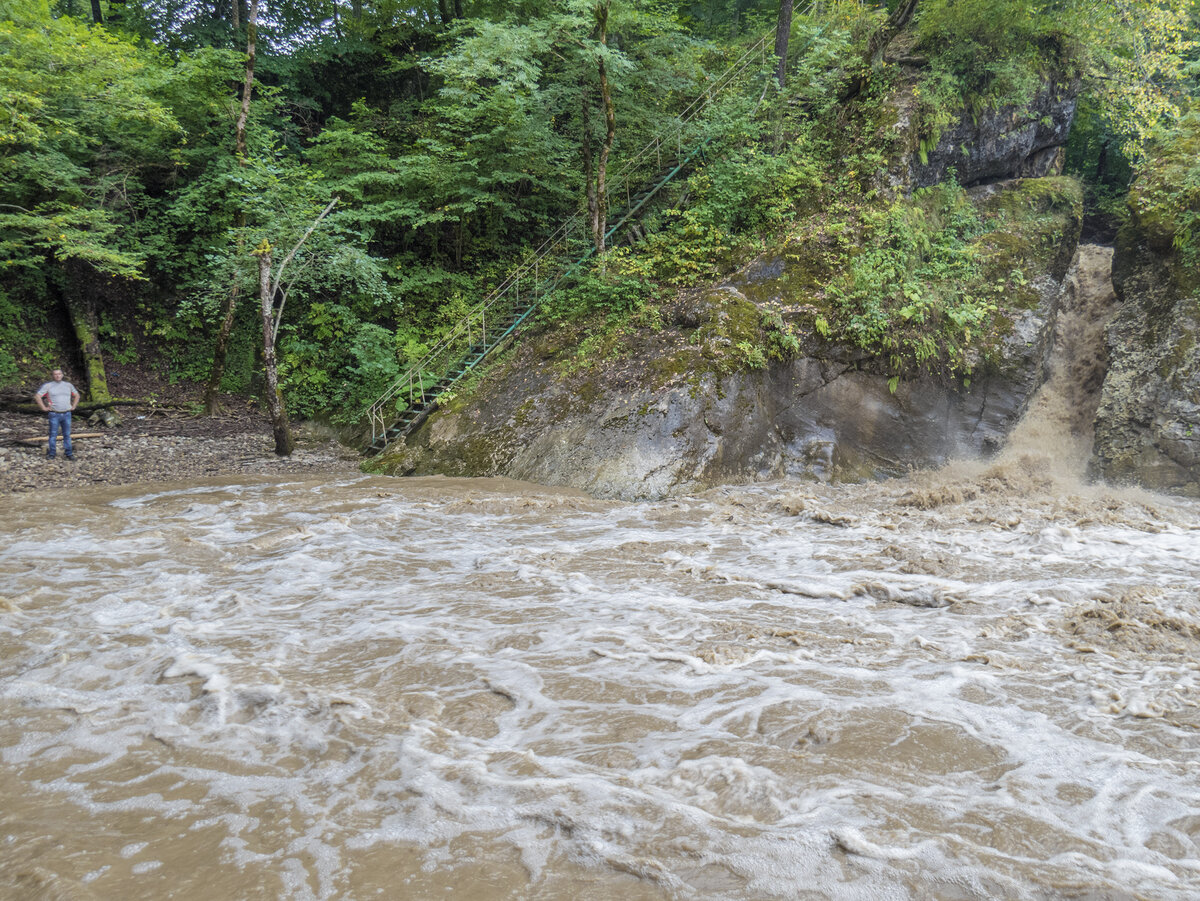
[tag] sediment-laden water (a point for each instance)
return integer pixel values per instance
(976, 683)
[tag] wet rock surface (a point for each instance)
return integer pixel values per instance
(1148, 424)
(808, 418)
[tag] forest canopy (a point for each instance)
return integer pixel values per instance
(446, 140)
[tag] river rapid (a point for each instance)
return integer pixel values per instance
(975, 683)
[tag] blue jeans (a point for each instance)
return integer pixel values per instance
(60, 421)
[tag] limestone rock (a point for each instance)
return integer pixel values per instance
(1009, 142)
(674, 412)
(697, 402)
(1148, 424)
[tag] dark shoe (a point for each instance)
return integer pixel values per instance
(71, 457)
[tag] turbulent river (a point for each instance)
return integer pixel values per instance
(976, 683)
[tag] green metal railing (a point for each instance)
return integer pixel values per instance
(493, 321)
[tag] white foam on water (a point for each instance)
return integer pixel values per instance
(712, 697)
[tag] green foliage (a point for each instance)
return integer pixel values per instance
(987, 33)
(781, 342)
(724, 19)
(1165, 199)
(454, 147)
(986, 55)
(1095, 154)
(767, 161)
(25, 347)
(78, 119)
(749, 355)
(1132, 56)
(333, 360)
(914, 293)
(11, 337)
(611, 293)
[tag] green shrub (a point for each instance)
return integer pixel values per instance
(1165, 198)
(11, 333)
(614, 292)
(914, 294)
(985, 55)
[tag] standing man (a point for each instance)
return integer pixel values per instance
(58, 398)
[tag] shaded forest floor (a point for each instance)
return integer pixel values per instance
(162, 438)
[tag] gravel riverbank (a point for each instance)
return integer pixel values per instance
(151, 445)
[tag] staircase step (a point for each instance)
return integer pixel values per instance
(506, 316)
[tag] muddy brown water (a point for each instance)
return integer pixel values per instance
(974, 683)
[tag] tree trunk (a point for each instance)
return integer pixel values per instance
(783, 30)
(279, 420)
(83, 321)
(97, 15)
(593, 211)
(248, 88)
(445, 12)
(610, 131)
(268, 290)
(81, 307)
(221, 351)
(896, 21)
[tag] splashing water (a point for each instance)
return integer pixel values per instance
(974, 683)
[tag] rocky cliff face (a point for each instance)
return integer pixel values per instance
(810, 417)
(990, 145)
(1148, 424)
(704, 394)
(676, 408)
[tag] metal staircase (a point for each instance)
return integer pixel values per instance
(491, 324)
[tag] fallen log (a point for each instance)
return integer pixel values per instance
(41, 439)
(89, 407)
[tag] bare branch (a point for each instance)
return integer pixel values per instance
(279, 316)
(299, 244)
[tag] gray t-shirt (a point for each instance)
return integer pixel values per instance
(58, 394)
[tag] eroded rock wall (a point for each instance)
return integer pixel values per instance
(1010, 142)
(1148, 423)
(676, 409)
(669, 415)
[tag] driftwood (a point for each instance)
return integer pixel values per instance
(89, 407)
(41, 439)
